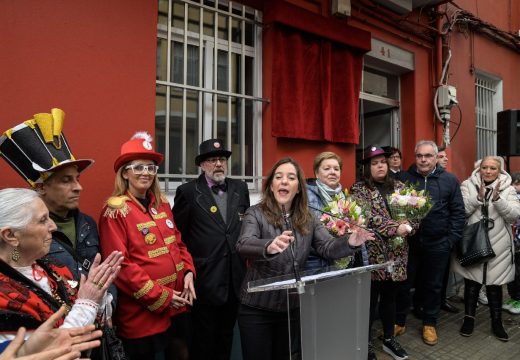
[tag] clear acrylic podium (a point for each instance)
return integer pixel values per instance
(334, 311)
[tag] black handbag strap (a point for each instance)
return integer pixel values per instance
(484, 209)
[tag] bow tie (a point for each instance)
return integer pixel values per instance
(219, 187)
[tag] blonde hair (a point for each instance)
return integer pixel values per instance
(325, 156)
(121, 187)
(496, 159)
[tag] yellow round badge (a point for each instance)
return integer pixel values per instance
(213, 209)
(150, 239)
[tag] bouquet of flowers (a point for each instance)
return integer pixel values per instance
(408, 204)
(340, 214)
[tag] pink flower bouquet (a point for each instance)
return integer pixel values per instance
(340, 215)
(408, 204)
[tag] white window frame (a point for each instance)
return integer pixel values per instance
(395, 136)
(207, 94)
(488, 101)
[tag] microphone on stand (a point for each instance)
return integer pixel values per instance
(300, 286)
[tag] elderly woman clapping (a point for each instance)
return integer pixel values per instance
(33, 287)
(489, 186)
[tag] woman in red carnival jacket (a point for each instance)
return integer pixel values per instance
(156, 281)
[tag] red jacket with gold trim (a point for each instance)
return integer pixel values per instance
(155, 262)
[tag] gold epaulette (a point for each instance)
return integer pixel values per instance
(164, 199)
(116, 205)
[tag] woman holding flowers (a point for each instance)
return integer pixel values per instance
(270, 247)
(322, 190)
(490, 186)
(373, 191)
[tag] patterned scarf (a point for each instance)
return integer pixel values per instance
(328, 194)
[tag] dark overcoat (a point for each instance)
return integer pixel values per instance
(210, 240)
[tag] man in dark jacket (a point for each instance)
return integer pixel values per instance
(208, 212)
(439, 232)
(76, 241)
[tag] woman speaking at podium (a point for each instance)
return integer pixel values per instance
(275, 240)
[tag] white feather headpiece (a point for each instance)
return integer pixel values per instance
(142, 135)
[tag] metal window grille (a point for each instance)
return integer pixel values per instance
(208, 85)
(486, 123)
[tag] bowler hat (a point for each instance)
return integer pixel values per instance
(37, 148)
(373, 151)
(209, 148)
(138, 147)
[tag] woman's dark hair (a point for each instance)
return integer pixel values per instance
(300, 214)
(388, 182)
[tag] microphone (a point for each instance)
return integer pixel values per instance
(390, 267)
(300, 286)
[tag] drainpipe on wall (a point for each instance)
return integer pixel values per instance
(438, 70)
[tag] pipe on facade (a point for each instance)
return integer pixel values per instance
(438, 69)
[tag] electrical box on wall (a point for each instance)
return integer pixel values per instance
(341, 7)
(447, 96)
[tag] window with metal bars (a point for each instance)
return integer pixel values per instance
(208, 85)
(487, 102)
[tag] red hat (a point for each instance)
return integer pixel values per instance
(138, 147)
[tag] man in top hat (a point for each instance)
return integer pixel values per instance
(208, 212)
(38, 151)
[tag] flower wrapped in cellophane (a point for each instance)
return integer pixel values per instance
(339, 216)
(408, 204)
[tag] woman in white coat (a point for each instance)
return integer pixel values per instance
(489, 184)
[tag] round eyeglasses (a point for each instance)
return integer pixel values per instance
(213, 161)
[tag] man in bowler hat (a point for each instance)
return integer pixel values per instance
(208, 212)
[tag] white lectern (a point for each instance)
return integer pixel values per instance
(334, 311)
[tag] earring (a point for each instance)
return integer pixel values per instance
(15, 254)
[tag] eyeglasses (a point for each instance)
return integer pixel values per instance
(213, 161)
(424, 156)
(139, 169)
(395, 157)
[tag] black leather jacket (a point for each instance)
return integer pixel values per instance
(255, 236)
(87, 245)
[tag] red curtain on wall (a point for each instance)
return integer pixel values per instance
(316, 77)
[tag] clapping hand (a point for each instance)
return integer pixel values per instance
(481, 191)
(48, 342)
(100, 276)
(496, 191)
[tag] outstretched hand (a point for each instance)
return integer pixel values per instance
(280, 243)
(358, 236)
